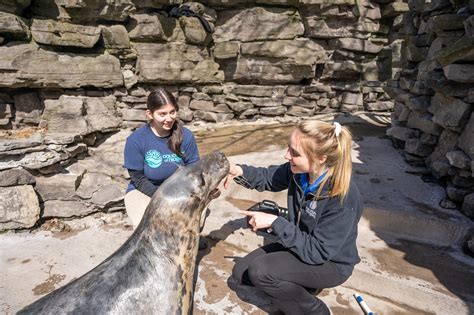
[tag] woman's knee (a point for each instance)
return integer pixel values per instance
(260, 273)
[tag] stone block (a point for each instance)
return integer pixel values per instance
(265, 101)
(416, 147)
(185, 114)
(115, 38)
(201, 105)
(146, 27)
(50, 32)
(401, 133)
(101, 114)
(19, 207)
(258, 23)
(352, 98)
(299, 101)
(300, 50)
(423, 122)
(240, 106)
(226, 50)
(270, 71)
(133, 114)
(272, 111)
(213, 117)
(201, 96)
(456, 194)
(459, 72)
(300, 111)
(468, 206)
(28, 108)
(66, 209)
(469, 26)
(359, 45)
(459, 51)
(64, 116)
(379, 105)
(445, 22)
(448, 141)
(466, 141)
(16, 177)
(26, 65)
(58, 187)
(419, 103)
(12, 26)
(176, 63)
(459, 159)
(252, 90)
(395, 8)
(449, 112)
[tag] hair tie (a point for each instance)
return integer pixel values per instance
(337, 128)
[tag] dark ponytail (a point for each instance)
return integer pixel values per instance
(158, 98)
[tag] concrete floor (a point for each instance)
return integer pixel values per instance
(410, 247)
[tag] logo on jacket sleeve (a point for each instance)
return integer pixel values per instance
(153, 159)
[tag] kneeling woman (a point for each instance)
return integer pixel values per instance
(316, 245)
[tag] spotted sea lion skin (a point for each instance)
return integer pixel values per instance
(152, 272)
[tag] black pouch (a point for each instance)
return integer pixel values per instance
(270, 207)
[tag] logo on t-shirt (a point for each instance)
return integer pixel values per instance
(153, 159)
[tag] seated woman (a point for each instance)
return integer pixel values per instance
(316, 245)
(153, 152)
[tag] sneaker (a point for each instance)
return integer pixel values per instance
(313, 291)
(202, 243)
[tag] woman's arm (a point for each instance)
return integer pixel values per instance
(142, 183)
(189, 148)
(273, 178)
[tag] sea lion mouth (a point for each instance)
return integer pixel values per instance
(215, 193)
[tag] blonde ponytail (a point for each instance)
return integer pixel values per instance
(335, 141)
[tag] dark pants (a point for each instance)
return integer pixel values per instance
(285, 278)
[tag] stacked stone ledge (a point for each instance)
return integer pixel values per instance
(74, 77)
(433, 119)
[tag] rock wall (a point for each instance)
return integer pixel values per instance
(433, 119)
(75, 74)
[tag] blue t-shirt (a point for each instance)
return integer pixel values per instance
(145, 151)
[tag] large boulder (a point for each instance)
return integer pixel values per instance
(449, 112)
(28, 108)
(13, 26)
(80, 115)
(27, 65)
(16, 177)
(280, 61)
(84, 11)
(176, 63)
(50, 32)
(258, 23)
(19, 207)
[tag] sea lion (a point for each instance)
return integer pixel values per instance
(152, 272)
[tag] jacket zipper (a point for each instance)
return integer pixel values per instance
(298, 217)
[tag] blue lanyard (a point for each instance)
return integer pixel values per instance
(304, 180)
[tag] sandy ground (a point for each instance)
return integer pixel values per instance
(409, 246)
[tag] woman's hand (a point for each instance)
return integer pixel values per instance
(259, 220)
(234, 171)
